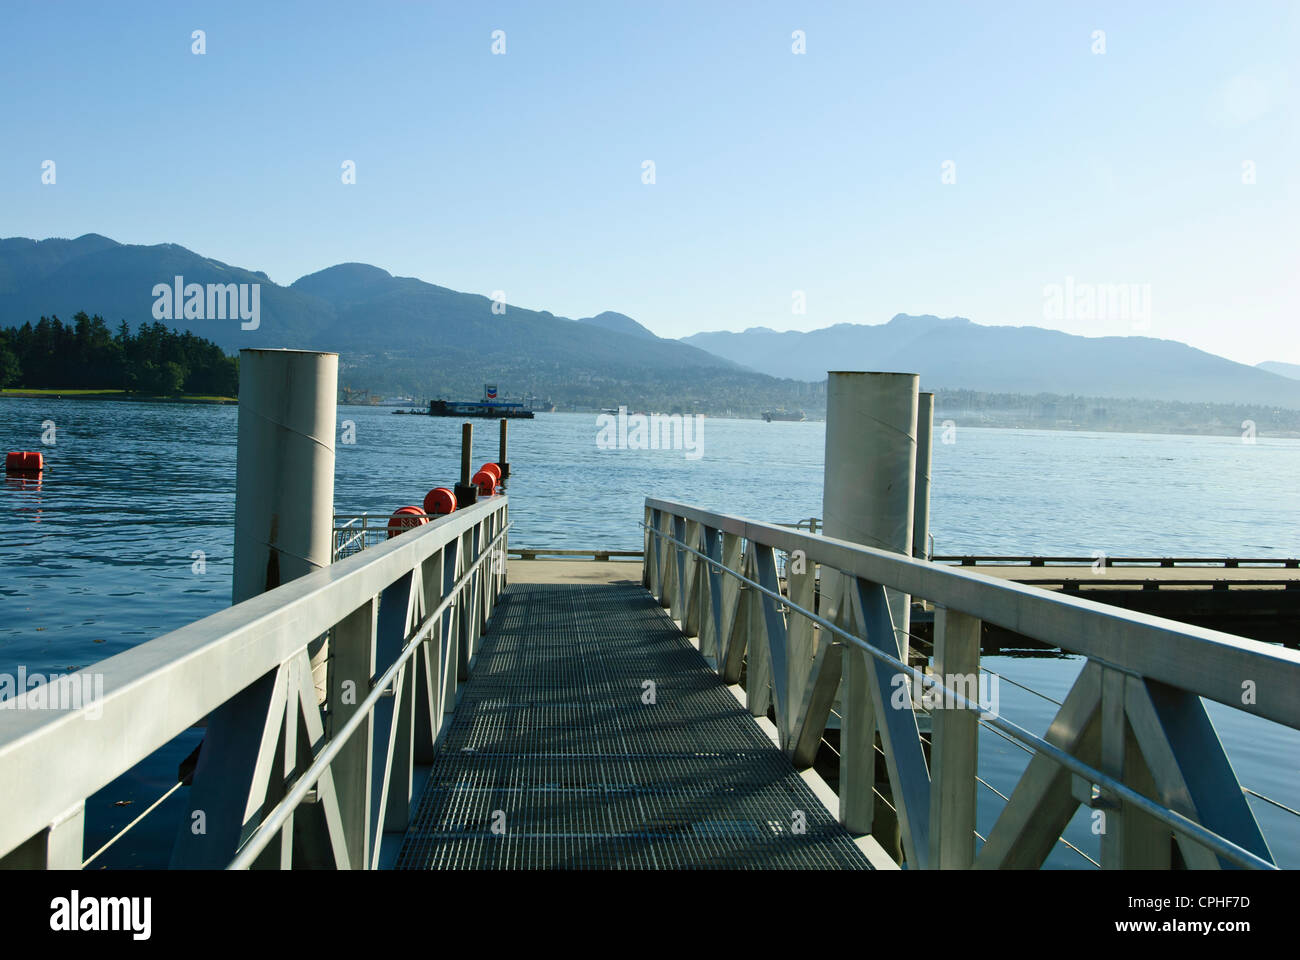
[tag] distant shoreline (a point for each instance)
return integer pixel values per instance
(19, 393)
(965, 419)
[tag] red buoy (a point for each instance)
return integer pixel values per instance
(493, 469)
(24, 461)
(405, 518)
(439, 501)
(485, 482)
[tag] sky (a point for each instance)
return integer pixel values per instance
(1010, 163)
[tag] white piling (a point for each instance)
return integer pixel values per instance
(868, 498)
(921, 504)
(868, 490)
(284, 479)
(284, 519)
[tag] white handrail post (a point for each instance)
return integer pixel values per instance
(60, 846)
(354, 665)
(647, 552)
(954, 750)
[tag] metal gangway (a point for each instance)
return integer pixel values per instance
(406, 707)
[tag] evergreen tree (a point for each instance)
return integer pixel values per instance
(85, 354)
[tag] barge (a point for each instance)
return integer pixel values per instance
(488, 408)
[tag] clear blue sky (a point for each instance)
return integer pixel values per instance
(775, 172)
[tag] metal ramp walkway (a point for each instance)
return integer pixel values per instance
(592, 735)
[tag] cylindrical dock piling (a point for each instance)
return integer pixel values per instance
(868, 497)
(921, 505)
(284, 476)
(868, 492)
(284, 529)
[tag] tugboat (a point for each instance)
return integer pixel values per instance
(796, 416)
(488, 407)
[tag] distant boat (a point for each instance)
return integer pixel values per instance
(784, 415)
(470, 408)
(488, 407)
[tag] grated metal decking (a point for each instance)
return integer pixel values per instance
(553, 746)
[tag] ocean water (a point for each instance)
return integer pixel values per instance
(128, 535)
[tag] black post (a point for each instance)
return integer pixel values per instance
(466, 492)
(501, 460)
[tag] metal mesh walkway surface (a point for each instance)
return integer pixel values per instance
(592, 735)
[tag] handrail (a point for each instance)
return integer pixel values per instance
(1172, 818)
(1121, 646)
(1060, 619)
(276, 818)
(1031, 560)
(972, 559)
(160, 688)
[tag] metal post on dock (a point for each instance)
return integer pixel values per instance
(466, 492)
(921, 507)
(868, 497)
(502, 462)
(284, 518)
(284, 473)
(868, 493)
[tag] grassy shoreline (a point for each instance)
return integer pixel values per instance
(23, 393)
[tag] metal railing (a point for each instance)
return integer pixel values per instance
(971, 560)
(564, 553)
(1131, 740)
(354, 533)
(401, 623)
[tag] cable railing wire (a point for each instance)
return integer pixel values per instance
(123, 832)
(1220, 845)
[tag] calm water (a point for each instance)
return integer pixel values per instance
(99, 555)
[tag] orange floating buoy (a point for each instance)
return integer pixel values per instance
(439, 501)
(493, 469)
(405, 518)
(24, 461)
(485, 482)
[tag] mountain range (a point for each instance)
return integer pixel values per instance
(351, 306)
(1291, 370)
(403, 334)
(394, 334)
(954, 353)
